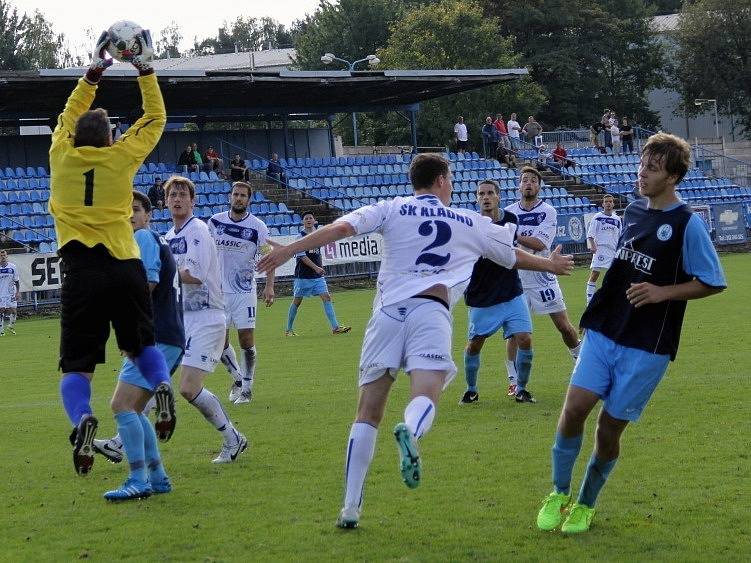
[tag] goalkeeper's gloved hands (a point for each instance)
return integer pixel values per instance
(100, 60)
(143, 60)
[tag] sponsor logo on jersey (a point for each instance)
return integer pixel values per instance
(178, 245)
(640, 261)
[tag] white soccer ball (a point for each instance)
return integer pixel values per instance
(125, 40)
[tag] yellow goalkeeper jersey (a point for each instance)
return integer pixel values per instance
(91, 188)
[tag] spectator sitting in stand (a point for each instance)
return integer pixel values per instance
(156, 194)
(543, 156)
(213, 160)
(238, 171)
(275, 170)
(506, 156)
(197, 155)
(187, 159)
(560, 154)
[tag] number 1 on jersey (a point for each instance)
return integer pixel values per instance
(88, 191)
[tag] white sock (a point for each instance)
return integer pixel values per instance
(229, 359)
(249, 357)
(511, 372)
(150, 405)
(575, 351)
(360, 450)
(2, 322)
(419, 415)
(591, 288)
(117, 441)
(212, 410)
(12, 320)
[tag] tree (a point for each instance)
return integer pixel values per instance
(351, 29)
(587, 55)
(167, 46)
(245, 34)
(29, 42)
(430, 39)
(664, 7)
(713, 58)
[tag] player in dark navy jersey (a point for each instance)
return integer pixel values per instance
(310, 280)
(496, 301)
(633, 324)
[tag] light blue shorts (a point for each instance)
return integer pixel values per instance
(623, 377)
(307, 287)
(511, 316)
(129, 373)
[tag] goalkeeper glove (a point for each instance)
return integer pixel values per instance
(143, 60)
(99, 59)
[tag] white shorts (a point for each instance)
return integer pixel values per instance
(412, 334)
(204, 339)
(240, 309)
(601, 260)
(8, 303)
(546, 299)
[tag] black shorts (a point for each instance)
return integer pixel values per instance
(97, 290)
(461, 145)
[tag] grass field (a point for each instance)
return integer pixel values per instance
(680, 492)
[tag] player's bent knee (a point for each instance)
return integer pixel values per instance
(523, 340)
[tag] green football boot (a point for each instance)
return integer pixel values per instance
(579, 519)
(552, 511)
(409, 457)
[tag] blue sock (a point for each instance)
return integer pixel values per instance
(471, 367)
(328, 307)
(595, 477)
(523, 366)
(151, 451)
(131, 434)
(565, 452)
(75, 390)
(291, 314)
(152, 366)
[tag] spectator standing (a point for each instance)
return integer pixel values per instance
(489, 136)
(156, 194)
(500, 126)
(513, 128)
(605, 121)
(594, 134)
(274, 169)
(627, 136)
(187, 159)
(460, 134)
(615, 135)
(533, 131)
(238, 171)
(213, 160)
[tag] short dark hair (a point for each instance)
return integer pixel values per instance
(145, 201)
(670, 149)
(425, 169)
(307, 212)
(242, 185)
(606, 196)
(180, 181)
(531, 170)
(92, 129)
(493, 183)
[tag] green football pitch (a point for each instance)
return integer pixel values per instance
(681, 491)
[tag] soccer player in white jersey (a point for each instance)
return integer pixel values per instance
(428, 250)
(239, 235)
(9, 290)
(602, 239)
(203, 311)
(538, 222)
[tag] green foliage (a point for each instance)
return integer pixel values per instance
(587, 55)
(679, 489)
(167, 46)
(28, 41)
(714, 56)
(664, 7)
(457, 35)
(245, 34)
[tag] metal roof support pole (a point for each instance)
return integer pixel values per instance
(413, 128)
(285, 131)
(268, 138)
(329, 126)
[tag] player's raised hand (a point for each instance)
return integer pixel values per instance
(100, 60)
(640, 294)
(268, 295)
(563, 264)
(144, 59)
(278, 256)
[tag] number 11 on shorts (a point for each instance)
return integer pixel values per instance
(251, 312)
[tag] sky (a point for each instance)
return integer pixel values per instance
(201, 19)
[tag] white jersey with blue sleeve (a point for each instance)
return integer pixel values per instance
(540, 222)
(427, 243)
(605, 230)
(238, 245)
(194, 250)
(8, 280)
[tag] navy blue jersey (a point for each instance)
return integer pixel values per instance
(662, 247)
(490, 283)
(166, 298)
(304, 271)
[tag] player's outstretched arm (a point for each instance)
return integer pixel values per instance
(140, 139)
(321, 237)
(82, 97)
(557, 263)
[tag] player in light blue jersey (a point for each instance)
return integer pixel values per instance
(310, 280)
